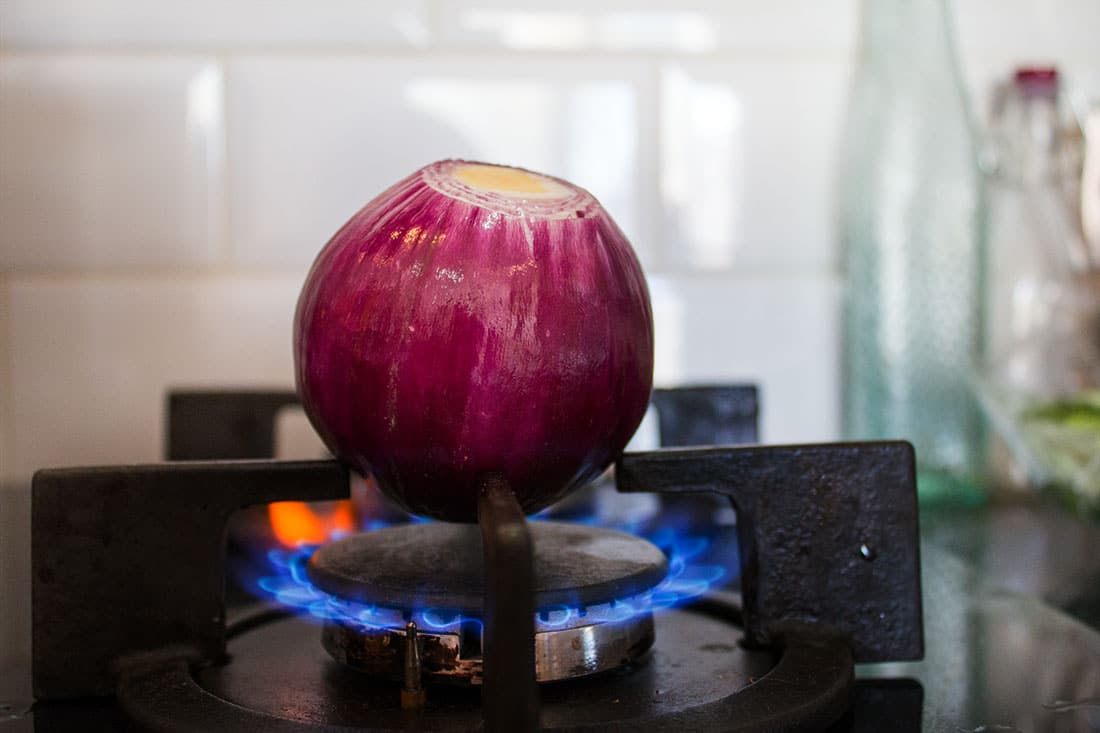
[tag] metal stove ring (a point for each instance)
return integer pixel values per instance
(448, 657)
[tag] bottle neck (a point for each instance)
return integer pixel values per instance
(1027, 137)
(906, 33)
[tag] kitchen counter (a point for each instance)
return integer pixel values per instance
(1011, 594)
(997, 660)
(1026, 544)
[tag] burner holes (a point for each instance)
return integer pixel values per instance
(866, 551)
(469, 639)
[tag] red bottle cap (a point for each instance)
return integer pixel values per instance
(1037, 80)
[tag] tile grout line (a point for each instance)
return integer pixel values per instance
(224, 210)
(732, 53)
(655, 206)
(299, 270)
(443, 54)
(438, 47)
(79, 273)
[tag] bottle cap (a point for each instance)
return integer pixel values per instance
(1037, 80)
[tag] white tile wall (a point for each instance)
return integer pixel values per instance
(159, 24)
(312, 140)
(152, 154)
(109, 161)
(94, 357)
(1028, 29)
(692, 26)
(779, 332)
(747, 152)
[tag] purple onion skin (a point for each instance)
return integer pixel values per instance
(437, 339)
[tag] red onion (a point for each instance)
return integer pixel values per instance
(475, 319)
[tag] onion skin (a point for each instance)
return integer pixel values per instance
(446, 332)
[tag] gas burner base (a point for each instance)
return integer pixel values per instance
(453, 656)
(696, 678)
(590, 593)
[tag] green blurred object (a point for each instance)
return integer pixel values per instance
(1063, 438)
(944, 489)
(1056, 441)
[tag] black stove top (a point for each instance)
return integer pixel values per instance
(831, 573)
(128, 565)
(995, 660)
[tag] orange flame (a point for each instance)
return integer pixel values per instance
(295, 522)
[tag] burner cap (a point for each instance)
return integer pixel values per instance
(440, 565)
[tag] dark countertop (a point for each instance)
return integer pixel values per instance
(997, 660)
(1011, 614)
(1026, 544)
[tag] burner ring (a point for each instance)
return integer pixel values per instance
(568, 652)
(440, 565)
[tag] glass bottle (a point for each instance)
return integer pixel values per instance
(1040, 268)
(911, 226)
(1041, 377)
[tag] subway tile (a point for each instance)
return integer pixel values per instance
(109, 161)
(747, 163)
(295, 438)
(780, 333)
(212, 23)
(92, 358)
(313, 139)
(1029, 30)
(694, 26)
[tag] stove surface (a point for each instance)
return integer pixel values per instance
(281, 667)
(995, 661)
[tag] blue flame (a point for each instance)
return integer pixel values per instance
(690, 575)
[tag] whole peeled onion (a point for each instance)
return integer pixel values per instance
(472, 319)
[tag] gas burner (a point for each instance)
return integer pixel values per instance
(695, 665)
(590, 593)
(128, 568)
